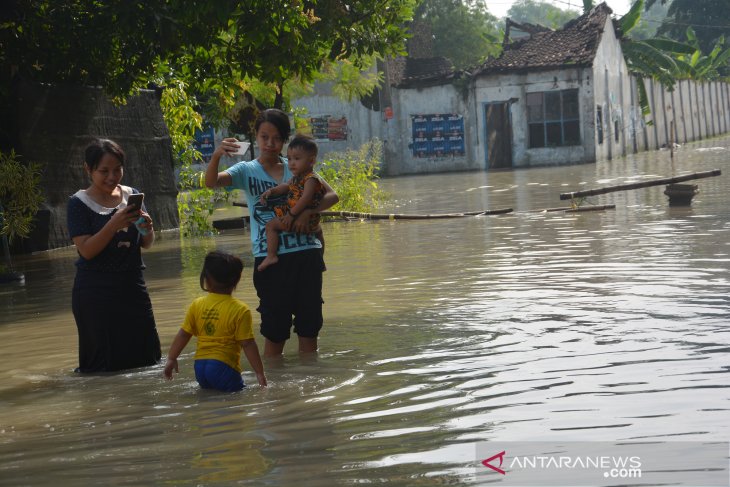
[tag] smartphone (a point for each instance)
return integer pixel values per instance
(242, 148)
(135, 200)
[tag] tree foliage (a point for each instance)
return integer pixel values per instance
(709, 18)
(20, 195)
(214, 57)
(214, 46)
(114, 44)
(540, 13)
(651, 18)
(463, 31)
(668, 60)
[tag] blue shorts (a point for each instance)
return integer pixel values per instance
(214, 374)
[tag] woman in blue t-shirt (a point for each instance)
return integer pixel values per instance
(290, 292)
(110, 302)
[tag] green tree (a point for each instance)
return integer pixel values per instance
(114, 44)
(463, 31)
(540, 13)
(651, 18)
(698, 66)
(667, 60)
(709, 18)
(20, 195)
(210, 54)
(214, 46)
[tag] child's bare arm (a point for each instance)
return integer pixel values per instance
(305, 200)
(251, 350)
(178, 344)
(329, 199)
(278, 190)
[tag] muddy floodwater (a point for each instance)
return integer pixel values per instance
(439, 335)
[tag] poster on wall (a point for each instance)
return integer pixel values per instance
(438, 135)
(204, 142)
(326, 127)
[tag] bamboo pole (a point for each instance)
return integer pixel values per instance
(400, 216)
(568, 209)
(644, 184)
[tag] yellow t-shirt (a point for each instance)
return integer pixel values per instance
(220, 322)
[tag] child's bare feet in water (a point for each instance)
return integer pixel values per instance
(268, 260)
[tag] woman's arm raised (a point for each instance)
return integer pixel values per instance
(213, 178)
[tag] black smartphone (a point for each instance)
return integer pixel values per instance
(135, 200)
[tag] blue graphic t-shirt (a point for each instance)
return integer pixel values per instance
(250, 177)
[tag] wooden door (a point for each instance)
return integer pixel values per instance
(499, 135)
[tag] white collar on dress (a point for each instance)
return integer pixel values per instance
(103, 210)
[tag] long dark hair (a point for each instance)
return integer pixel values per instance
(96, 150)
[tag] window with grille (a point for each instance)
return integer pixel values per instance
(553, 118)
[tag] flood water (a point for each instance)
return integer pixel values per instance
(439, 334)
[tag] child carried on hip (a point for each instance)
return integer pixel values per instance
(304, 190)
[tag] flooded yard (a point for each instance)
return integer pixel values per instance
(439, 335)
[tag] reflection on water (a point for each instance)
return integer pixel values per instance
(439, 334)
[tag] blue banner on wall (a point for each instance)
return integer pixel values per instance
(205, 143)
(438, 135)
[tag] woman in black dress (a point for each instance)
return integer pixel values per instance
(110, 302)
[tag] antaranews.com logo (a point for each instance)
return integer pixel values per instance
(604, 463)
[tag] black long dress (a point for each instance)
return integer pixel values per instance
(110, 303)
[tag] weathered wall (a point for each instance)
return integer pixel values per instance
(612, 88)
(396, 132)
(502, 88)
(693, 111)
(362, 124)
(53, 125)
(442, 99)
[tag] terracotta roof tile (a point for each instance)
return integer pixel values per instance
(573, 45)
(425, 72)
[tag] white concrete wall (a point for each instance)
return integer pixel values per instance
(694, 110)
(502, 88)
(363, 124)
(612, 88)
(398, 135)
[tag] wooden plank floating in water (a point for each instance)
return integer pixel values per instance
(577, 210)
(240, 221)
(644, 184)
(400, 216)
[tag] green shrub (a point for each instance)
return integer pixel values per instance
(20, 195)
(195, 202)
(353, 175)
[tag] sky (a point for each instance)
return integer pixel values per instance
(499, 8)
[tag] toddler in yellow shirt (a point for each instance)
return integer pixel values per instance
(223, 326)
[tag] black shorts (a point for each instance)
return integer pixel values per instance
(290, 293)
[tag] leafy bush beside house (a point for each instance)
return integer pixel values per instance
(353, 175)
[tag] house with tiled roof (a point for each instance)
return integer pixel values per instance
(533, 105)
(552, 95)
